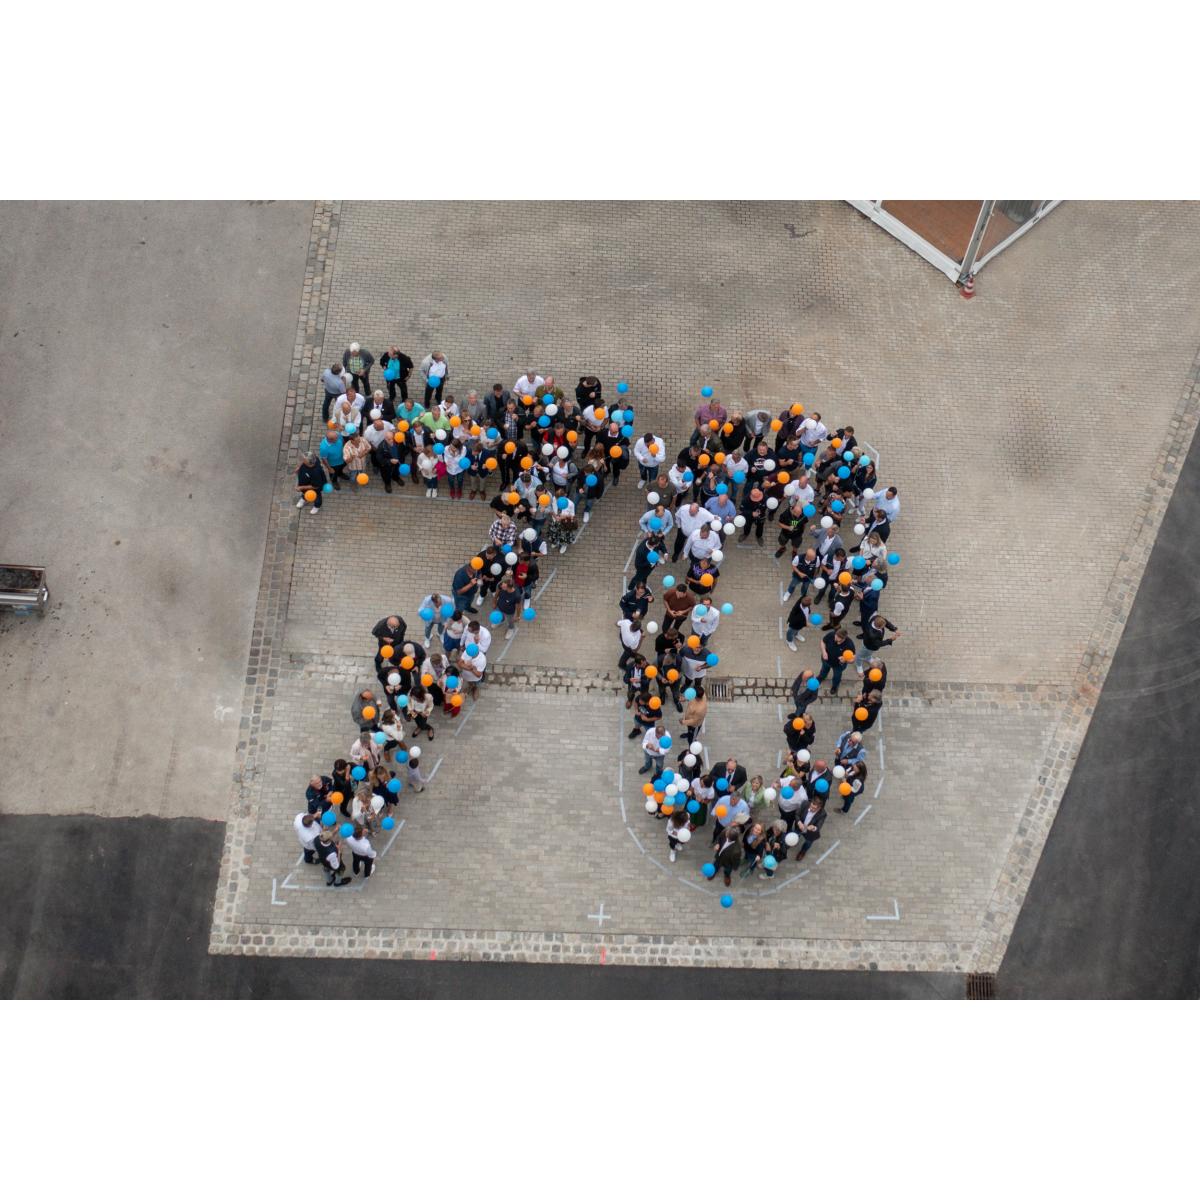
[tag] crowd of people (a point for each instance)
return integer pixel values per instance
(815, 489)
(547, 457)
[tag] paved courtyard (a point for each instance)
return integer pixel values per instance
(1035, 435)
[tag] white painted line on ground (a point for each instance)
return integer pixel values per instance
(395, 835)
(287, 877)
(600, 917)
(778, 759)
(888, 916)
(779, 711)
(549, 580)
(678, 878)
(632, 552)
(863, 813)
(781, 629)
(462, 721)
(828, 852)
(635, 839)
(281, 903)
(435, 769)
(877, 787)
(799, 875)
(621, 802)
(779, 666)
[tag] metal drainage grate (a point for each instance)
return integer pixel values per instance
(719, 689)
(981, 987)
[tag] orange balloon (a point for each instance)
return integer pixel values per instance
(513, 497)
(509, 447)
(543, 500)
(861, 714)
(776, 425)
(796, 409)
(783, 477)
(836, 443)
(426, 680)
(844, 788)
(706, 580)
(600, 414)
(797, 722)
(526, 463)
(369, 712)
(490, 463)
(714, 424)
(844, 578)
(362, 478)
(651, 672)
(336, 797)
(477, 563)
(727, 427)
(704, 460)
(456, 700)
(655, 703)
(615, 452)
(694, 642)
(652, 447)
(648, 788)
(672, 675)
(847, 656)
(455, 422)
(660, 796)
(408, 662)
(572, 436)
(668, 809)
(874, 674)
(527, 400)
(721, 810)
(719, 457)
(475, 431)
(332, 424)
(310, 495)
(402, 426)
(387, 651)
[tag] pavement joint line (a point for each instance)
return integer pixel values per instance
(864, 812)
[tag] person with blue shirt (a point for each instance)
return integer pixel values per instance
(332, 452)
(722, 506)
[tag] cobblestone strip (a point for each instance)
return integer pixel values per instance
(1017, 872)
(304, 395)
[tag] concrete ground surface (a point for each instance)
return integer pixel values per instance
(146, 349)
(1011, 614)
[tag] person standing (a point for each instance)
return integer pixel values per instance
(678, 833)
(396, 369)
(728, 856)
(644, 564)
(333, 456)
(694, 713)
(436, 371)
(652, 750)
(390, 631)
(358, 362)
(311, 477)
(837, 651)
(649, 452)
(630, 633)
(798, 619)
(335, 386)
(330, 855)
(808, 824)
(308, 831)
(678, 603)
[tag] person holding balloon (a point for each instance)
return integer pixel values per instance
(330, 855)
(678, 833)
(311, 482)
(362, 853)
(695, 711)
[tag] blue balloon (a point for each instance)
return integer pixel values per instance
(877, 585)
(812, 684)
(350, 430)
(838, 506)
(769, 862)
(722, 785)
(739, 477)
(665, 743)
(706, 392)
(708, 870)
(658, 783)
(727, 900)
(652, 558)
(622, 387)
(815, 619)
(822, 786)
(848, 456)
(655, 523)
(438, 448)
(452, 682)
(464, 462)
(722, 488)
(667, 776)
(327, 488)
(726, 609)
(562, 503)
(693, 806)
(388, 822)
(507, 547)
(699, 610)
(358, 773)
(712, 660)
(809, 511)
(858, 562)
(689, 693)
(330, 818)
(402, 701)
(668, 581)
(393, 786)
(493, 432)
(405, 469)
(472, 650)
(865, 461)
(426, 614)
(401, 757)
(379, 738)
(447, 611)
(893, 558)
(591, 480)
(544, 421)
(688, 476)
(496, 617)
(787, 793)
(347, 830)
(809, 459)
(528, 614)
(843, 472)
(627, 431)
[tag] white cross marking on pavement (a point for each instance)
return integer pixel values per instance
(600, 917)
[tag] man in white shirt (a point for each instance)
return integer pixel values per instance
(363, 852)
(702, 542)
(889, 501)
(528, 384)
(378, 429)
(308, 830)
(481, 635)
(653, 751)
(688, 520)
(472, 668)
(649, 452)
(705, 619)
(630, 631)
(812, 432)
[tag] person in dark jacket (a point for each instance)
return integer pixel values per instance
(636, 602)
(808, 824)
(359, 362)
(389, 631)
(643, 566)
(396, 369)
(330, 854)
(311, 477)
(869, 702)
(728, 856)
(317, 794)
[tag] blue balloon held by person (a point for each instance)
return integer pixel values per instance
(438, 448)
(379, 738)
(858, 562)
(688, 476)
(739, 477)
(700, 611)
(329, 819)
(393, 785)
(727, 900)
(689, 693)
(592, 481)
(426, 614)
(493, 432)
(402, 701)
(822, 786)
(656, 525)
(627, 431)
(405, 469)
(464, 462)
(787, 793)
(770, 862)
(722, 785)
(350, 430)
(816, 619)
(447, 611)
(528, 614)
(722, 489)
(452, 682)
(401, 757)
(877, 585)
(347, 830)
(843, 472)
(693, 807)
(837, 506)
(388, 822)
(668, 776)
(622, 387)
(708, 870)
(809, 511)
(712, 660)
(472, 650)
(495, 617)
(813, 684)
(668, 581)
(865, 461)
(665, 743)
(706, 392)
(809, 459)
(652, 558)
(358, 773)
(562, 503)
(848, 455)
(327, 488)
(544, 421)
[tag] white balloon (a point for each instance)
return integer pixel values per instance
(868, 493)
(682, 836)
(803, 756)
(826, 522)
(651, 627)
(696, 747)
(652, 498)
(529, 535)
(510, 558)
(770, 793)
(769, 465)
(563, 452)
(739, 521)
(670, 790)
(415, 752)
(715, 523)
(689, 760)
(729, 528)
(792, 839)
(551, 410)
(547, 449)
(440, 435)
(819, 582)
(717, 556)
(497, 569)
(791, 489)
(859, 530)
(394, 678)
(772, 503)
(651, 806)
(680, 783)
(839, 772)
